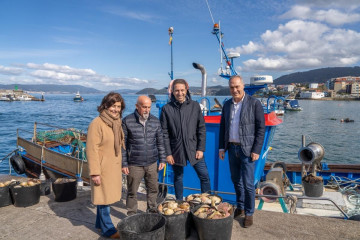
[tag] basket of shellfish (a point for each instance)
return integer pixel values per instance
(26, 193)
(213, 221)
(65, 189)
(203, 198)
(178, 218)
(5, 198)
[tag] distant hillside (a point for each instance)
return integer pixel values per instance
(318, 75)
(126, 91)
(51, 88)
(147, 91)
(210, 91)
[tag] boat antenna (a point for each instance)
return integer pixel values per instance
(171, 31)
(210, 11)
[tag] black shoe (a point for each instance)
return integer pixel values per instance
(131, 213)
(249, 220)
(239, 213)
(152, 210)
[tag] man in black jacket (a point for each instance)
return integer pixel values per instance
(242, 130)
(144, 146)
(184, 136)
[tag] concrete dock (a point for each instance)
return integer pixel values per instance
(75, 220)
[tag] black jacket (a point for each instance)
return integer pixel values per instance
(251, 126)
(144, 145)
(184, 130)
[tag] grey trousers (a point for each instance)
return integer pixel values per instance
(136, 174)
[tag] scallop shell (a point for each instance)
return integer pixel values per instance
(168, 211)
(202, 215)
(24, 184)
(216, 199)
(172, 205)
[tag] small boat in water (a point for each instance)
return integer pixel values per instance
(152, 97)
(292, 105)
(7, 97)
(23, 98)
(78, 97)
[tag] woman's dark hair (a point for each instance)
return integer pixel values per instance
(110, 99)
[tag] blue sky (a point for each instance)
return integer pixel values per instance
(112, 44)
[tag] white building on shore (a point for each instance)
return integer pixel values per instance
(312, 95)
(313, 85)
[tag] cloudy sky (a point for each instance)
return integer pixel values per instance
(115, 44)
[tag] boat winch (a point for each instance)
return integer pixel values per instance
(311, 154)
(274, 185)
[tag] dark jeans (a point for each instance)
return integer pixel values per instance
(103, 220)
(201, 171)
(136, 174)
(242, 176)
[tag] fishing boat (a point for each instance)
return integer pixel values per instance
(78, 97)
(7, 97)
(23, 98)
(271, 179)
(292, 105)
(219, 170)
(56, 152)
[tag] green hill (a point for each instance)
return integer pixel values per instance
(318, 75)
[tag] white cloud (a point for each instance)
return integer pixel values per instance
(331, 16)
(346, 4)
(302, 44)
(61, 68)
(10, 70)
(48, 73)
(247, 49)
(126, 13)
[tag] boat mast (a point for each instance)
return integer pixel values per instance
(216, 31)
(171, 31)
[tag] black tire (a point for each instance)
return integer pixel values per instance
(18, 164)
(279, 165)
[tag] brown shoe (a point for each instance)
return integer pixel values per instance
(248, 221)
(115, 236)
(239, 213)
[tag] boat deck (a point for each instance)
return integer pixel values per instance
(75, 220)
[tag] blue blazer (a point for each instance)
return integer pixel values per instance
(251, 125)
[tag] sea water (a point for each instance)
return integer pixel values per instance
(316, 121)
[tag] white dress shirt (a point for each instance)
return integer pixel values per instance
(235, 121)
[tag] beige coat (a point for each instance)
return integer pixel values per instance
(102, 161)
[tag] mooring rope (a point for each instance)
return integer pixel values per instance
(350, 190)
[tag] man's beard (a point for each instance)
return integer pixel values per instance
(145, 116)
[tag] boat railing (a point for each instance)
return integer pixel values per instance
(272, 107)
(205, 108)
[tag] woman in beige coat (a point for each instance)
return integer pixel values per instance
(103, 150)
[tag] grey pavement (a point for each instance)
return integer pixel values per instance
(75, 220)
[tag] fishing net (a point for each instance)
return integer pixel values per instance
(60, 135)
(68, 141)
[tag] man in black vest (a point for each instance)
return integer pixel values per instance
(242, 130)
(144, 146)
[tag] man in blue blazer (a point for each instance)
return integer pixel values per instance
(242, 130)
